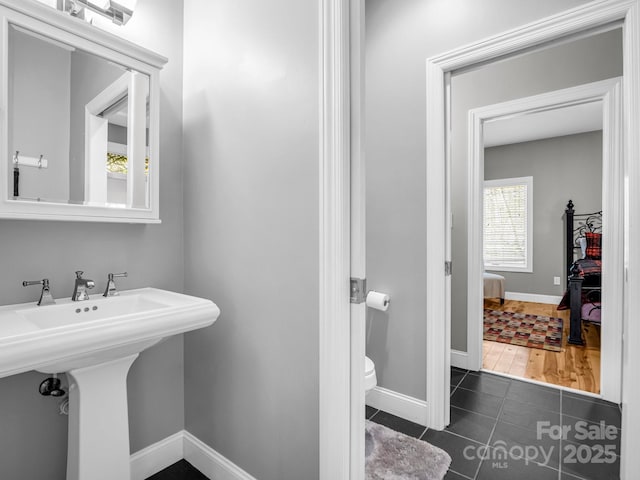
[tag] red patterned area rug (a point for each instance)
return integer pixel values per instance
(533, 331)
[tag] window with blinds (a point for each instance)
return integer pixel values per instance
(508, 220)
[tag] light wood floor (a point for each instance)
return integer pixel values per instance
(575, 366)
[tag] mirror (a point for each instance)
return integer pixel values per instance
(74, 109)
(80, 127)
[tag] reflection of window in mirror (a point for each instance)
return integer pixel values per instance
(117, 161)
(117, 169)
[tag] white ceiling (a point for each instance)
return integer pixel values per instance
(582, 118)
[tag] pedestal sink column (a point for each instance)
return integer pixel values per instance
(99, 422)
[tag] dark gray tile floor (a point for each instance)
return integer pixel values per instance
(504, 429)
(181, 470)
(508, 429)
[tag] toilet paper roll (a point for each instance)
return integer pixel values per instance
(378, 300)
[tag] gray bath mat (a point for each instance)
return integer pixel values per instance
(394, 456)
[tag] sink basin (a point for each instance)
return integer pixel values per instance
(58, 338)
(95, 342)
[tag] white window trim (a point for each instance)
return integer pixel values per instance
(120, 148)
(117, 148)
(528, 181)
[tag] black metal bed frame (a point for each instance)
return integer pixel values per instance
(587, 222)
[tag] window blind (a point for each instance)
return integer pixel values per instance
(506, 224)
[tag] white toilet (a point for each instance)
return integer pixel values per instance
(370, 380)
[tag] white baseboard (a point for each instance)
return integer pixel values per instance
(398, 404)
(160, 455)
(533, 297)
(459, 359)
(211, 463)
(156, 457)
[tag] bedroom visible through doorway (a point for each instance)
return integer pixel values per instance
(526, 184)
(545, 248)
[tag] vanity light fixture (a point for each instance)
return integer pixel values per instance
(103, 5)
(118, 11)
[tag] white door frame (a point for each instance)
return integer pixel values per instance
(358, 235)
(574, 21)
(96, 133)
(608, 93)
(342, 254)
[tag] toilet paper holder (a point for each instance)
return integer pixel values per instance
(359, 291)
(377, 300)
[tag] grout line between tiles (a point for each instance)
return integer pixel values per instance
(518, 426)
(460, 382)
(574, 477)
(488, 444)
(483, 393)
(459, 436)
(595, 422)
(460, 474)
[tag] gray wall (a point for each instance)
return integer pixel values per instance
(251, 231)
(400, 36)
(587, 60)
(32, 433)
(39, 114)
(563, 168)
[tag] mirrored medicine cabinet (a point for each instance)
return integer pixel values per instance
(79, 120)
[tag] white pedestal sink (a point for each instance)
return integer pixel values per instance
(95, 342)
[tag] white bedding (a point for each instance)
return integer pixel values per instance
(493, 285)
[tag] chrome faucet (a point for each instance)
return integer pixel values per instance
(81, 287)
(45, 297)
(111, 290)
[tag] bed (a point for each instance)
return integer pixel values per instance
(583, 240)
(493, 286)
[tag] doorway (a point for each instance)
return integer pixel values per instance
(602, 101)
(572, 22)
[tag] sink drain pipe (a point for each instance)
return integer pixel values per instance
(51, 387)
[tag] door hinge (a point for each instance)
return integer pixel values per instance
(358, 290)
(448, 268)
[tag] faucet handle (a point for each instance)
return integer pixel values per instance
(44, 282)
(111, 290)
(45, 297)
